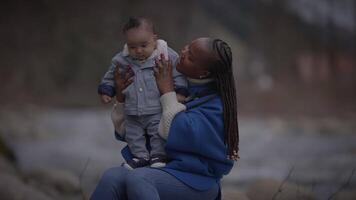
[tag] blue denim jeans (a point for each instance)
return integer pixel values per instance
(146, 184)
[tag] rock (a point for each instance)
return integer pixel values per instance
(346, 195)
(230, 194)
(6, 166)
(11, 187)
(6, 151)
(268, 188)
(7, 159)
(63, 181)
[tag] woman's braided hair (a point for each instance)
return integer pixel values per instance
(222, 71)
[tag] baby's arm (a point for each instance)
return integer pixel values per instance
(106, 88)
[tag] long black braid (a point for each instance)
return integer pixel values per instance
(222, 71)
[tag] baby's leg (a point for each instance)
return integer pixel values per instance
(135, 137)
(157, 155)
(156, 142)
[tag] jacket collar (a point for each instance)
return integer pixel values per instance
(162, 48)
(197, 91)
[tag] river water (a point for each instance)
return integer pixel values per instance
(320, 153)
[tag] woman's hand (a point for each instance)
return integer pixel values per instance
(122, 80)
(163, 74)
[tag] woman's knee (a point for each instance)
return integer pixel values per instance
(139, 186)
(136, 176)
(143, 173)
(114, 176)
(111, 185)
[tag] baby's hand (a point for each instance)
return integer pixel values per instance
(105, 99)
(181, 98)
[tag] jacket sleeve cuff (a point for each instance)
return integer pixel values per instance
(170, 107)
(168, 99)
(106, 89)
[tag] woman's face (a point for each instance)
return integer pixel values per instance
(194, 59)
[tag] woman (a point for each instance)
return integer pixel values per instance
(201, 136)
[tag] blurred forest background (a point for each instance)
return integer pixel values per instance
(294, 61)
(290, 56)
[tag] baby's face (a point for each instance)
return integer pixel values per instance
(140, 42)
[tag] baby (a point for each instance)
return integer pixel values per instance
(142, 106)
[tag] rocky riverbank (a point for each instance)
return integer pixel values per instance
(61, 153)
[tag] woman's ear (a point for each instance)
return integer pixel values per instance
(206, 74)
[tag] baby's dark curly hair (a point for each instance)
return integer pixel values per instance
(135, 22)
